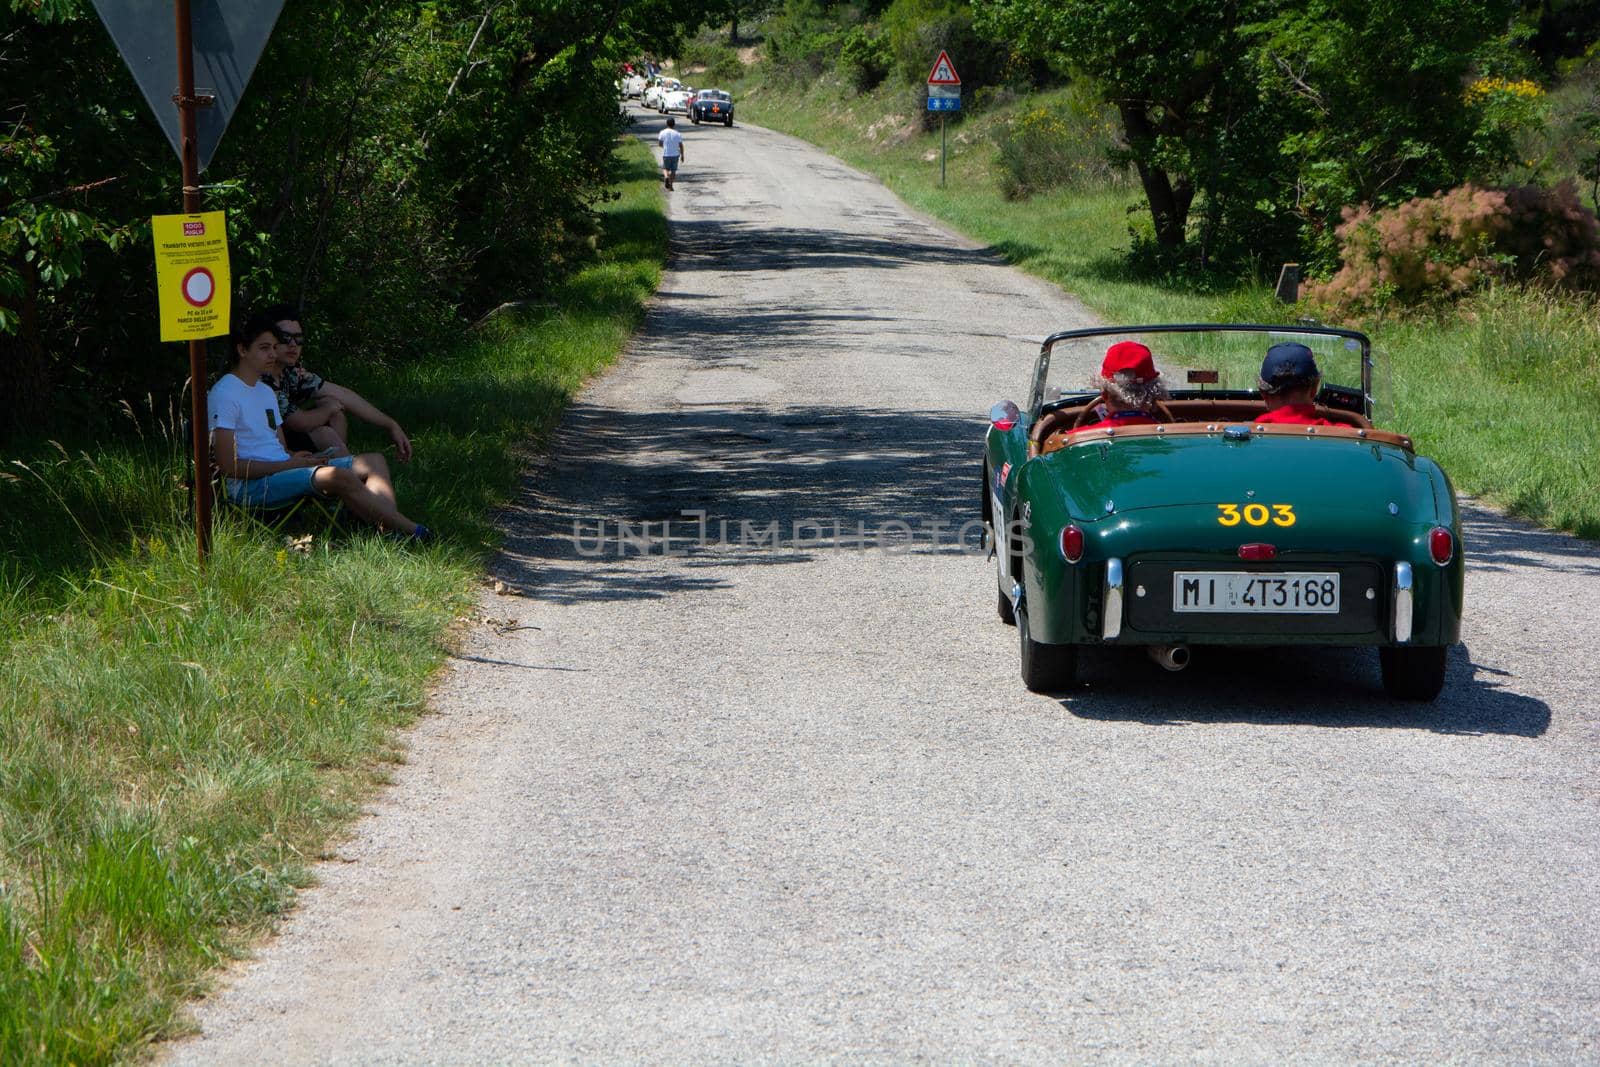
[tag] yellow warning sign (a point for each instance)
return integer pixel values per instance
(192, 274)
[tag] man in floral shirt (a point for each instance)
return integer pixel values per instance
(312, 409)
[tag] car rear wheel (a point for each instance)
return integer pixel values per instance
(1045, 668)
(1413, 673)
(728, 121)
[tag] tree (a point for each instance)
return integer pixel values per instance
(397, 166)
(1267, 109)
(1175, 73)
(1378, 107)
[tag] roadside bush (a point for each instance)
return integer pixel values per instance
(801, 41)
(1507, 111)
(1567, 144)
(1446, 245)
(1049, 148)
(864, 58)
(720, 64)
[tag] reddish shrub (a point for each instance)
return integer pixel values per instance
(1441, 246)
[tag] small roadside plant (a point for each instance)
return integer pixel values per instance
(864, 58)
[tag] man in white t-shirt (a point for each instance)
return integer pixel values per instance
(671, 142)
(247, 445)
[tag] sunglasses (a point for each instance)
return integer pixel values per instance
(292, 338)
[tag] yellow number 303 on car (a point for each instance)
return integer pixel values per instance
(1255, 514)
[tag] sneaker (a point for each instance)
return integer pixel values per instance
(422, 533)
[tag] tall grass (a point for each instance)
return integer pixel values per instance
(176, 745)
(1503, 389)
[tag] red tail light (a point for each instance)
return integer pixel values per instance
(1258, 551)
(1441, 545)
(1071, 544)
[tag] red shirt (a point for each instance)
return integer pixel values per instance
(1120, 418)
(1296, 415)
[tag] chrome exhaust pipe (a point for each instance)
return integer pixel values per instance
(1171, 657)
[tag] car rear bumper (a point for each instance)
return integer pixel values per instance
(1132, 602)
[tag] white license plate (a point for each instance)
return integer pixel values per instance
(1236, 592)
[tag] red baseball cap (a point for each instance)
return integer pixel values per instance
(1130, 356)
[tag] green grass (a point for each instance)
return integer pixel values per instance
(177, 746)
(1502, 389)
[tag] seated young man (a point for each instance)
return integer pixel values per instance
(1129, 387)
(1289, 383)
(247, 443)
(313, 410)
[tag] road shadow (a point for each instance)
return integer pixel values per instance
(734, 246)
(1300, 686)
(730, 485)
(1494, 542)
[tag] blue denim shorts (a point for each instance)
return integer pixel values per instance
(276, 490)
(669, 164)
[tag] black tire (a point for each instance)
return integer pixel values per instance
(1045, 668)
(728, 122)
(695, 118)
(1413, 673)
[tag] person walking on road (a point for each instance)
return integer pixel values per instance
(671, 142)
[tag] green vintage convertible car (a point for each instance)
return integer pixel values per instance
(1211, 528)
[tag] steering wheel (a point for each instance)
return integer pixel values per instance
(1087, 414)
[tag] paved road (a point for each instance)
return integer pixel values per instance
(746, 803)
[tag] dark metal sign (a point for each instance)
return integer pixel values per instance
(229, 36)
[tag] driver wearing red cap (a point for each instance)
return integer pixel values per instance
(1129, 387)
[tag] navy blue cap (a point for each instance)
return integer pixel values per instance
(1288, 361)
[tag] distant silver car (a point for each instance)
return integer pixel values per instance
(711, 105)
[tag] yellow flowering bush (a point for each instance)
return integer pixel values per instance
(1073, 143)
(1485, 88)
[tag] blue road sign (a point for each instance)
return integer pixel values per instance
(949, 103)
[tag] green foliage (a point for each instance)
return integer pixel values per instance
(1402, 68)
(1566, 144)
(1243, 110)
(1070, 145)
(393, 166)
(1181, 86)
(719, 63)
(802, 39)
(917, 30)
(864, 58)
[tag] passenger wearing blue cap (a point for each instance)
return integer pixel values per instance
(1289, 383)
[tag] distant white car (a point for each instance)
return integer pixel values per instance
(633, 85)
(677, 100)
(657, 89)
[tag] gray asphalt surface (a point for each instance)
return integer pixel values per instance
(752, 804)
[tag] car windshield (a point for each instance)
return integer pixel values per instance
(1199, 359)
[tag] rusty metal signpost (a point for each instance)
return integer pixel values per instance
(228, 36)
